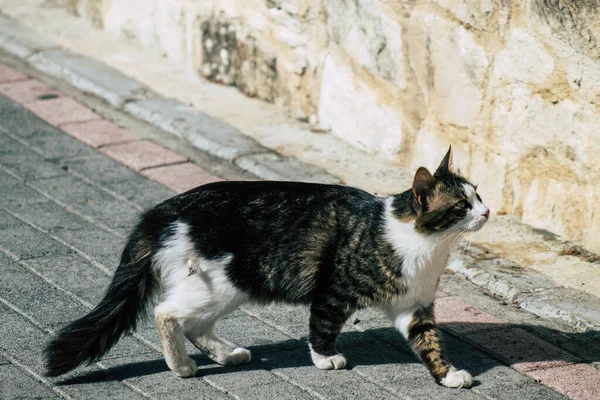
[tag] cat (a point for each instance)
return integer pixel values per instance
(207, 251)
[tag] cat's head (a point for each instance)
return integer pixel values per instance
(446, 202)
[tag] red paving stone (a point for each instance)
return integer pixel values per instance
(10, 75)
(461, 317)
(523, 351)
(578, 382)
(180, 177)
(98, 133)
(141, 155)
(26, 91)
(61, 111)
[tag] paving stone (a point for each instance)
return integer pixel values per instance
(141, 191)
(203, 131)
(24, 162)
(73, 273)
(62, 110)
(10, 75)
(290, 319)
(578, 382)
(4, 360)
(150, 374)
(50, 308)
(27, 90)
(100, 168)
(50, 216)
(459, 316)
(15, 384)
(245, 331)
(20, 122)
(98, 133)
(180, 177)
(88, 200)
(523, 351)
(297, 365)
(494, 380)
(89, 76)
(100, 245)
(24, 242)
(140, 155)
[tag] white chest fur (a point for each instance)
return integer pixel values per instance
(423, 258)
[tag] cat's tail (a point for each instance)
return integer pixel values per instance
(88, 338)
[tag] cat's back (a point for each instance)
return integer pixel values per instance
(239, 197)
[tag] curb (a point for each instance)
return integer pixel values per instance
(522, 287)
(527, 289)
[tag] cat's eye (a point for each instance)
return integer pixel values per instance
(461, 204)
(478, 197)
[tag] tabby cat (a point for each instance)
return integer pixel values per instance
(205, 252)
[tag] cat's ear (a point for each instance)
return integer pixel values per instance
(446, 165)
(422, 182)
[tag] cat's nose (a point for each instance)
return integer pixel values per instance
(486, 213)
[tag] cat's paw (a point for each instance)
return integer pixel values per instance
(186, 369)
(336, 361)
(239, 355)
(457, 379)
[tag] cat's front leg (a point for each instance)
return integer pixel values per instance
(327, 317)
(417, 324)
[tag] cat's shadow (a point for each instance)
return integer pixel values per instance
(380, 347)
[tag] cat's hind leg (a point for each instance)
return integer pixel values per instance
(172, 340)
(201, 334)
(327, 317)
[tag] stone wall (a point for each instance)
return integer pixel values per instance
(513, 85)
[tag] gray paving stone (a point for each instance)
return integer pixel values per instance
(272, 166)
(49, 216)
(204, 132)
(150, 374)
(100, 168)
(119, 179)
(296, 365)
(16, 194)
(88, 200)
(56, 145)
(3, 360)
(24, 242)
(21, 41)
(20, 122)
(15, 384)
(246, 331)
(401, 373)
(100, 245)
(144, 193)
(249, 382)
(89, 76)
(292, 320)
(24, 162)
(74, 274)
(494, 379)
(279, 391)
(50, 308)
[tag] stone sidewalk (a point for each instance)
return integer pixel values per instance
(71, 185)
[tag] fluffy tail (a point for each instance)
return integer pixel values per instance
(90, 337)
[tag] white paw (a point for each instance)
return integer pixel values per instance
(336, 361)
(187, 369)
(457, 379)
(239, 355)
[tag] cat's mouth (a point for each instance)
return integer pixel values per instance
(476, 225)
